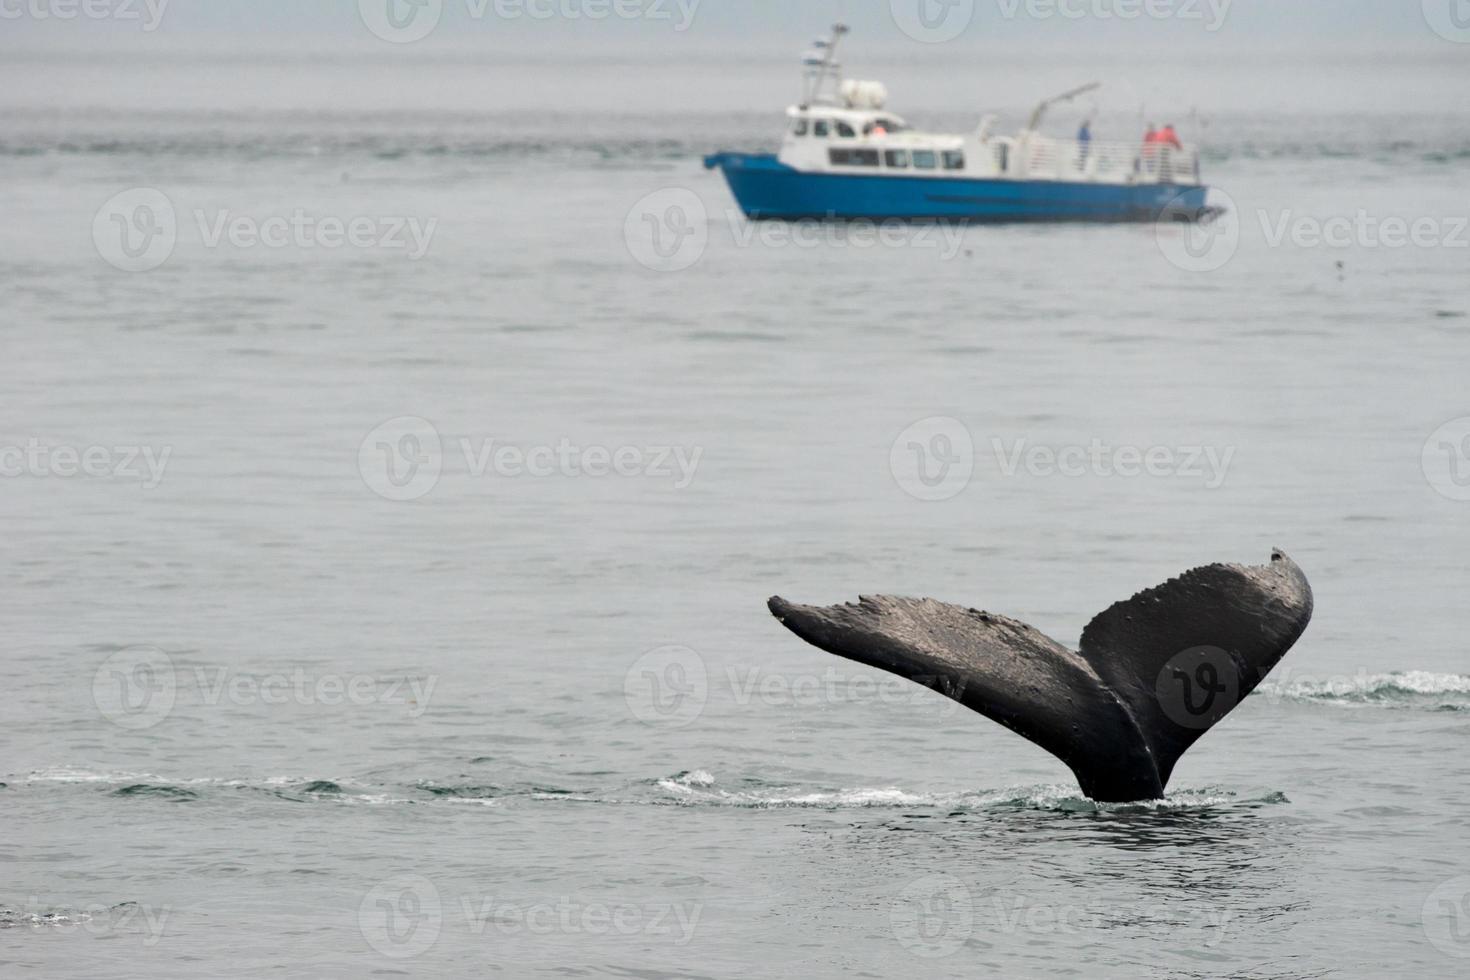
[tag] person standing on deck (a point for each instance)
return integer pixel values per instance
(1168, 143)
(1084, 143)
(1150, 147)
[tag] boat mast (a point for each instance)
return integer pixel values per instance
(1064, 97)
(821, 64)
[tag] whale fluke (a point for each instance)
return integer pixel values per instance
(1152, 673)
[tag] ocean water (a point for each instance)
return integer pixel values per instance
(308, 676)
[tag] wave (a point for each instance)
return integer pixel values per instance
(699, 788)
(369, 147)
(691, 788)
(96, 919)
(1413, 689)
(144, 786)
(360, 148)
(161, 792)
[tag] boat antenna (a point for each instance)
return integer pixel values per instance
(821, 64)
(1046, 104)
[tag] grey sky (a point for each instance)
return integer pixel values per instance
(791, 22)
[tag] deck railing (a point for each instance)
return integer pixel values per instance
(1044, 158)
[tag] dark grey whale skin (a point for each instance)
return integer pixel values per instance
(1103, 710)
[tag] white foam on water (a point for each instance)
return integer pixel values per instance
(1399, 688)
(689, 791)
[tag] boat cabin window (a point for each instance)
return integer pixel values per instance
(844, 130)
(882, 127)
(820, 128)
(954, 159)
(924, 159)
(896, 158)
(799, 127)
(853, 158)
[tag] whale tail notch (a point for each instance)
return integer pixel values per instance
(1151, 675)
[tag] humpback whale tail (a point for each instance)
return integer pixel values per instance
(1151, 675)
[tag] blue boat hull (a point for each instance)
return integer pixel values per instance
(766, 188)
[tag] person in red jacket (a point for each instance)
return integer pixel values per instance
(1167, 135)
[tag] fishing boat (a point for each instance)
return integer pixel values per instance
(846, 156)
